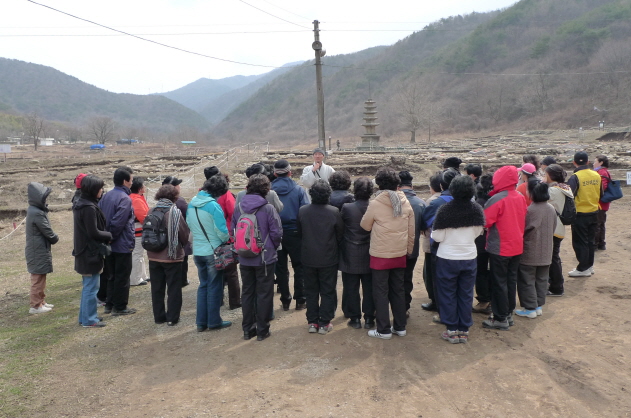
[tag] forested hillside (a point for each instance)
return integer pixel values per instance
(537, 64)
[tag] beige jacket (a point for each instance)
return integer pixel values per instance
(390, 237)
(557, 200)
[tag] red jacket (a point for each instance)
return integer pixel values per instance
(604, 178)
(139, 203)
(505, 214)
(226, 201)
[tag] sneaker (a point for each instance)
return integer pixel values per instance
(399, 333)
(107, 310)
(526, 313)
(451, 336)
(591, 270)
(325, 328)
(100, 302)
(313, 328)
(49, 305)
(224, 324)
(577, 273)
(41, 309)
(355, 323)
(264, 335)
(285, 306)
(510, 320)
(436, 318)
(301, 306)
(539, 311)
(483, 308)
(128, 311)
(463, 336)
(554, 295)
(95, 325)
(495, 324)
(373, 333)
(141, 283)
(369, 323)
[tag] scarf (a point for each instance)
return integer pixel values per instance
(172, 226)
(459, 214)
(395, 200)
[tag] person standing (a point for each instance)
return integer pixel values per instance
(474, 171)
(505, 214)
(208, 226)
(418, 206)
(89, 234)
(558, 190)
(390, 220)
(257, 273)
(138, 275)
(355, 259)
(272, 197)
(601, 165)
(181, 204)
(340, 182)
(428, 264)
(456, 227)
(527, 174)
(316, 171)
(39, 238)
(119, 215)
(293, 197)
(320, 229)
(482, 279)
(587, 189)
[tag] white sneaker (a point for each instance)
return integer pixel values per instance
(375, 334)
(526, 313)
(577, 273)
(539, 311)
(591, 270)
(41, 309)
(399, 333)
(49, 305)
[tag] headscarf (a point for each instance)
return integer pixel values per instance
(395, 200)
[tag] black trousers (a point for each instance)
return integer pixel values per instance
(482, 281)
(408, 284)
(556, 268)
(231, 280)
(600, 228)
(257, 297)
(504, 284)
(166, 278)
(428, 274)
(321, 293)
(352, 304)
(185, 271)
(119, 270)
(102, 293)
(388, 293)
(583, 236)
(291, 249)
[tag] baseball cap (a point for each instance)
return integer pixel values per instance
(528, 168)
(581, 158)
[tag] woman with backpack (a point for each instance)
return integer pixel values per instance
(257, 234)
(165, 265)
(601, 165)
(559, 192)
(89, 237)
(208, 227)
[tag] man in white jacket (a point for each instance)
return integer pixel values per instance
(316, 171)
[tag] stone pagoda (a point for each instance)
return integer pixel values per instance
(370, 140)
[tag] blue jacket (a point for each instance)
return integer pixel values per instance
(119, 217)
(269, 225)
(418, 206)
(293, 197)
(429, 214)
(211, 216)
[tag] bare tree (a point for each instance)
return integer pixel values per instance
(102, 127)
(408, 102)
(33, 126)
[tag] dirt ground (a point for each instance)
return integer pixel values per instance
(571, 362)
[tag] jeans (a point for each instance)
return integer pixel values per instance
(87, 308)
(583, 236)
(454, 291)
(209, 292)
(166, 278)
(291, 247)
(504, 285)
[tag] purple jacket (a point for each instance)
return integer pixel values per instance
(119, 215)
(269, 225)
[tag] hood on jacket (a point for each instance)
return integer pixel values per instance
(83, 201)
(506, 178)
(284, 185)
(37, 194)
(252, 202)
(201, 199)
(567, 190)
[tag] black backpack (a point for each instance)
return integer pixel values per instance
(154, 230)
(568, 214)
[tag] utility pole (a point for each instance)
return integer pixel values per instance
(319, 53)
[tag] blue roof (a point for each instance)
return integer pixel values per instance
(189, 142)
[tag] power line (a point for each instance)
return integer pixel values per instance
(268, 13)
(285, 10)
(150, 34)
(154, 42)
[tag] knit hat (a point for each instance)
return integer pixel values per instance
(452, 162)
(406, 178)
(174, 181)
(210, 171)
(548, 161)
(282, 167)
(528, 169)
(77, 180)
(581, 158)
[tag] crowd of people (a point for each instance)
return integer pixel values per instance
(495, 235)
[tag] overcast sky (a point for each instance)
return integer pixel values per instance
(123, 64)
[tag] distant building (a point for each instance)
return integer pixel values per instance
(46, 142)
(189, 142)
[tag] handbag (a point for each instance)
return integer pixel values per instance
(224, 254)
(104, 249)
(613, 192)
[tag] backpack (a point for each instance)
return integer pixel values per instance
(247, 236)
(154, 230)
(568, 214)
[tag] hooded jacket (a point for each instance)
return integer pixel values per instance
(558, 191)
(390, 237)
(39, 234)
(505, 213)
(209, 213)
(119, 215)
(418, 206)
(89, 230)
(269, 224)
(293, 198)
